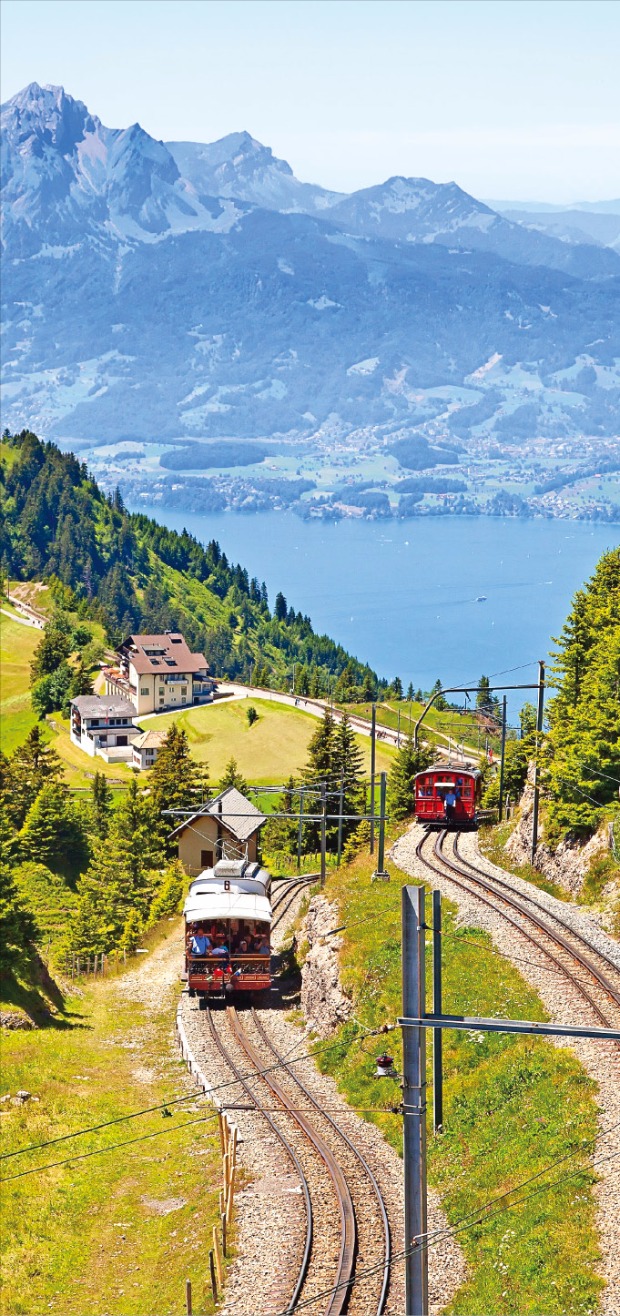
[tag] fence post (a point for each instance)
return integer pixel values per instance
(212, 1276)
(218, 1259)
(224, 1232)
(188, 1297)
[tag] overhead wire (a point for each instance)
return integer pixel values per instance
(254, 1073)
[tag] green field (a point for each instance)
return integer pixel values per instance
(17, 645)
(266, 753)
(96, 1235)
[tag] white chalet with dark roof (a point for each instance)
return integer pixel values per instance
(104, 726)
(159, 672)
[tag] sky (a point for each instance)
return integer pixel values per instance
(513, 99)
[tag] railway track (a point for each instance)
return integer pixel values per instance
(344, 1211)
(286, 895)
(597, 979)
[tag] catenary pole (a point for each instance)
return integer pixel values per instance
(340, 809)
(380, 873)
(437, 1007)
(373, 750)
(323, 831)
(300, 829)
(539, 727)
(414, 1103)
(501, 766)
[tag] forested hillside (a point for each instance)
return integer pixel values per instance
(134, 575)
(583, 746)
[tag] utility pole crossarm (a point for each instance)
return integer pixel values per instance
(465, 1023)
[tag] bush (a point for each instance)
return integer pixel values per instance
(169, 894)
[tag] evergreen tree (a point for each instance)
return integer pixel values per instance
(347, 778)
(410, 694)
(233, 777)
(527, 720)
(440, 703)
(169, 893)
(583, 747)
(407, 763)
(173, 775)
(101, 805)
(53, 648)
(281, 833)
(319, 769)
(123, 876)
(281, 608)
(18, 928)
(53, 833)
(81, 682)
(31, 765)
(397, 688)
(483, 695)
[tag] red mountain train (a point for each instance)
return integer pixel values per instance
(448, 797)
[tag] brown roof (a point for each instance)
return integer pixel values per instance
(239, 816)
(150, 740)
(172, 647)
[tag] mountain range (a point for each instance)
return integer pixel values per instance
(174, 292)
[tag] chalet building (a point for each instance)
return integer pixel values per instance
(103, 726)
(227, 827)
(146, 747)
(158, 673)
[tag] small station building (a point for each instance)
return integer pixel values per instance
(227, 827)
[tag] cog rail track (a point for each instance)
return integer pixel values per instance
(290, 1151)
(368, 1176)
(465, 876)
(287, 894)
(342, 1278)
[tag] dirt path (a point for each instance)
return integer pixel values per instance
(157, 974)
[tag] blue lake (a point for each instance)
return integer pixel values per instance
(402, 595)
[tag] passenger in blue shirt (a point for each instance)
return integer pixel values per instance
(449, 805)
(200, 943)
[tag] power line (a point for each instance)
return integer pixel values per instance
(101, 1151)
(254, 1073)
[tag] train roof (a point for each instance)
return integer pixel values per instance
(218, 904)
(450, 770)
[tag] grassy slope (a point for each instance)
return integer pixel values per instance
(458, 726)
(82, 1239)
(512, 1106)
(17, 645)
(275, 746)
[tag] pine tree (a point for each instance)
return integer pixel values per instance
(123, 876)
(52, 833)
(32, 765)
(18, 928)
(173, 774)
(233, 777)
(101, 805)
(81, 682)
(168, 894)
(407, 763)
(348, 776)
(319, 768)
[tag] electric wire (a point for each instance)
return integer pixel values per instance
(257, 1073)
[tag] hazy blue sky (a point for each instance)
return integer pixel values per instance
(512, 98)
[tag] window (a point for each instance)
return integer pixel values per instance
(161, 692)
(183, 700)
(206, 859)
(183, 689)
(144, 690)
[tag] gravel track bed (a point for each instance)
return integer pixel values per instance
(565, 1005)
(269, 1214)
(365, 1295)
(269, 1205)
(324, 1257)
(571, 914)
